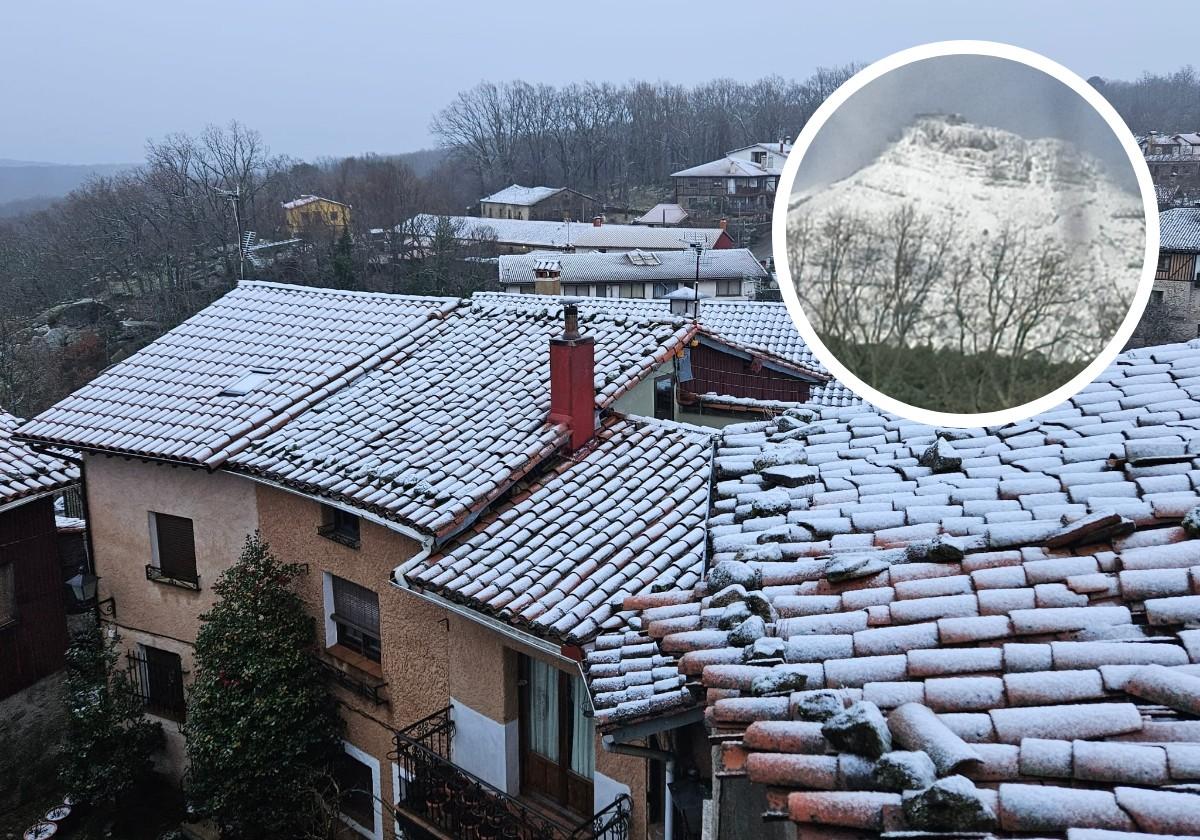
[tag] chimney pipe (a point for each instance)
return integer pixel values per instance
(597, 221)
(573, 379)
(723, 224)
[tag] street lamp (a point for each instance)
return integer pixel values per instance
(83, 588)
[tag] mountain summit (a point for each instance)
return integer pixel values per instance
(983, 179)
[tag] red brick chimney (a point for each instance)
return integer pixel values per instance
(597, 221)
(573, 380)
(723, 224)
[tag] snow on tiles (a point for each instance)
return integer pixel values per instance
(1015, 604)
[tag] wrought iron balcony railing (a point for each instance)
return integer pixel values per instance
(441, 798)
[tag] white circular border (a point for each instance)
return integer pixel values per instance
(783, 198)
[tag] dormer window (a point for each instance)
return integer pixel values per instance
(759, 157)
(252, 380)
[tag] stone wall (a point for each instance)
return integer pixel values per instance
(32, 723)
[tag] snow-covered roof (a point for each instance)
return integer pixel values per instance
(455, 414)
(735, 167)
(634, 266)
(1179, 229)
(419, 409)
(662, 214)
(166, 401)
(903, 625)
(524, 196)
(25, 472)
(623, 517)
(560, 235)
(755, 325)
(309, 199)
(726, 167)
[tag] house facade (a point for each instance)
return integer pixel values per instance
(310, 213)
(1173, 311)
(740, 187)
(33, 620)
(460, 557)
(732, 273)
(549, 204)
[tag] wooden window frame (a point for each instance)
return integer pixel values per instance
(575, 795)
(354, 636)
(168, 566)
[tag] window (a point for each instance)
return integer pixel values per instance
(158, 675)
(632, 290)
(1156, 297)
(357, 777)
(664, 397)
(8, 594)
(174, 546)
(355, 618)
(1164, 262)
(339, 526)
(557, 738)
(729, 288)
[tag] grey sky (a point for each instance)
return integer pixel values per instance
(985, 90)
(85, 81)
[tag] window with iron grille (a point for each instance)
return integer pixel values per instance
(356, 618)
(339, 525)
(175, 547)
(8, 594)
(158, 677)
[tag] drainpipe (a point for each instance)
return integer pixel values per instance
(611, 745)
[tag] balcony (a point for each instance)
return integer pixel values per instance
(439, 799)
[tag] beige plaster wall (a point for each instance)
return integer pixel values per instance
(121, 495)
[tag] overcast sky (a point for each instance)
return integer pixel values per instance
(983, 89)
(89, 82)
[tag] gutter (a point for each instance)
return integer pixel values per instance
(519, 636)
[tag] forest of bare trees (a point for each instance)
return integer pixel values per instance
(608, 139)
(931, 320)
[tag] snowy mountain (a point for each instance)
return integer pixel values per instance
(983, 178)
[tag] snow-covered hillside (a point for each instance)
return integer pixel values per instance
(982, 178)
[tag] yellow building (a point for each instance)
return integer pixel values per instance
(311, 212)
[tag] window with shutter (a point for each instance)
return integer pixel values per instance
(176, 544)
(356, 616)
(8, 594)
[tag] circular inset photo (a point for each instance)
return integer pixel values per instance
(966, 233)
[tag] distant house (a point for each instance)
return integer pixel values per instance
(1174, 163)
(516, 236)
(550, 204)
(33, 621)
(663, 215)
(739, 187)
(1173, 312)
(732, 273)
(312, 212)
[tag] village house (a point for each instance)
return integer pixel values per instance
(34, 626)
(911, 631)
(515, 236)
(724, 273)
(1174, 163)
(739, 187)
(33, 623)
(310, 213)
(549, 204)
(474, 487)
(1173, 311)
